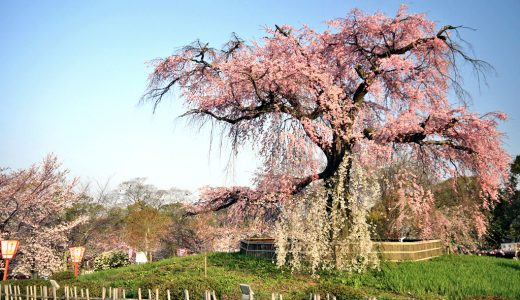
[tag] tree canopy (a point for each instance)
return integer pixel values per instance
(367, 89)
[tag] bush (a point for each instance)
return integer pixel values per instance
(111, 260)
(63, 275)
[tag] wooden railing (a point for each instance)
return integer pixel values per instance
(14, 292)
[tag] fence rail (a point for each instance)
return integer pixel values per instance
(14, 292)
(41, 292)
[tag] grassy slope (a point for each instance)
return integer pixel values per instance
(453, 277)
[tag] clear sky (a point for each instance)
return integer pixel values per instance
(72, 73)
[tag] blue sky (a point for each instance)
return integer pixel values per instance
(72, 73)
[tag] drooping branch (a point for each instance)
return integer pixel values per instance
(368, 82)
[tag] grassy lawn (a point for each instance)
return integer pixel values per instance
(452, 277)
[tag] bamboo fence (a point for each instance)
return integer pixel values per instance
(35, 292)
(390, 251)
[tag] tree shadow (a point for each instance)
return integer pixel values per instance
(509, 265)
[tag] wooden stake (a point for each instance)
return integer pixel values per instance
(149, 294)
(168, 296)
(205, 265)
(156, 294)
(139, 294)
(186, 295)
(88, 296)
(54, 293)
(103, 293)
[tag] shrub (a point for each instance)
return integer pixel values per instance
(63, 275)
(111, 260)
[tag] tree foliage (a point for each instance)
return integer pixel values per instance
(505, 218)
(144, 227)
(34, 202)
(314, 102)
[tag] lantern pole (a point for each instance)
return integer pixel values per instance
(5, 269)
(76, 269)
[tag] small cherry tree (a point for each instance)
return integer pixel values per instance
(314, 101)
(33, 203)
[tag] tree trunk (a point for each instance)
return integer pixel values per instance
(347, 211)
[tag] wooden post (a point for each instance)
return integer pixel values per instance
(14, 293)
(124, 294)
(6, 290)
(214, 295)
(168, 296)
(88, 296)
(149, 294)
(75, 293)
(156, 294)
(139, 294)
(82, 294)
(35, 293)
(26, 292)
(54, 293)
(186, 295)
(67, 293)
(109, 292)
(205, 265)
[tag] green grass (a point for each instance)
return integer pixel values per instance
(451, 277)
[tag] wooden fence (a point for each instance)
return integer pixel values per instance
(409, 251)
(390, 251)
(14, 292)
(263, 247)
